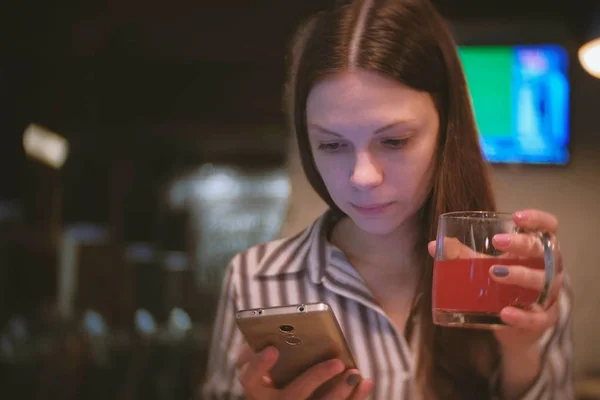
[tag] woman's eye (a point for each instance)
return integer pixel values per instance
(331, 147)
(394, 143)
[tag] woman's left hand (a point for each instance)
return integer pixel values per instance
(519, 340)
(525, 327)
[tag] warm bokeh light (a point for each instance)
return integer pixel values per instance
(589, 57)
(45, 146)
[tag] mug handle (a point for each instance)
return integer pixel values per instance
(549, 267)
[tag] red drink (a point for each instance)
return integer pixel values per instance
(464, 286)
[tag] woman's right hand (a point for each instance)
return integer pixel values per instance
(254, 371)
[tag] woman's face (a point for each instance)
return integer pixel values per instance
(373, 141)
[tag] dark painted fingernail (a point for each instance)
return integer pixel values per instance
(353, 380)
(500, 271)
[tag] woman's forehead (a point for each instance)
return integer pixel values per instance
(367, 98)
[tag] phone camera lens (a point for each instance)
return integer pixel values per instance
(301, 308)
(286, 328)
(260, 312)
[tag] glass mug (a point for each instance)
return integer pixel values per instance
(464, 293)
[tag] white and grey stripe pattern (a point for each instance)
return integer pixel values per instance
(306, 268)
(556, 379)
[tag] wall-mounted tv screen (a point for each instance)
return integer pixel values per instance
(521, 97)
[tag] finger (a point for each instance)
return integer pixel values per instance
(344, 388)
(267, 381)
(454, 248)
(242, 370)
(525, 277)
(536, 219)
(534, 320)
(431, 248)
(244, 356)
(362, 391)
(260, 364)
(519, 244)
(304, 385)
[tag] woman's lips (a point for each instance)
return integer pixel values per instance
(371, 209)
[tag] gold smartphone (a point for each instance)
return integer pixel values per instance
(304, 334)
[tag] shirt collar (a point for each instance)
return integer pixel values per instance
(307, 251)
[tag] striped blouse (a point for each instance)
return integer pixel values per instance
(307, 268)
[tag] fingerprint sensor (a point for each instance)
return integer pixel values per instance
(293, 340)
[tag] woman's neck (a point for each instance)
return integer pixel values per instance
(391, 254)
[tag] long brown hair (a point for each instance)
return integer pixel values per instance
(407, 40)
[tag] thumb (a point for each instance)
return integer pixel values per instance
(431, 247)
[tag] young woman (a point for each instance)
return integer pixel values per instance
(386, 133)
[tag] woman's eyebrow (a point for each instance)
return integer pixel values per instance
(377, 131)
(393, 125)
(323, 130)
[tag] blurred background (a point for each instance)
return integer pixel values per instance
(143, 144)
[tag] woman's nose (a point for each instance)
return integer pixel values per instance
(366, 173)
